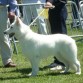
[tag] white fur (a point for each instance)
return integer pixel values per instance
(37, 46)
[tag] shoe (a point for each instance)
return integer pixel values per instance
(59, 67)
(10, 64)
(51, 65)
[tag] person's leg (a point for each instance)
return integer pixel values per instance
(55, 22)
(63, 17)
(27, 15)
(32, 11)
(40, 21)
(4, 40)
(5, 50)
(63, 20)
(58, 62)
(58, 25)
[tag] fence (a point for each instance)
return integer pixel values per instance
(74, 20)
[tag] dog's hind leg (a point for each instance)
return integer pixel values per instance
(75, 65)
(66, 67)
(62, 59)
(78, 69)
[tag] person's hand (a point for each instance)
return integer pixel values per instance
(49, 5)
(11, 15)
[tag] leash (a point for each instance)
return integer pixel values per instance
(37, 17)
(41, 14)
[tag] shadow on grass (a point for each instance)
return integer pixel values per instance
(24, 74)
(12, 78)
(1, 66)
(58, 73)
(55, 72)
(22, 70)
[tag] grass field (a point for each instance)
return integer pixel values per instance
(19, 73)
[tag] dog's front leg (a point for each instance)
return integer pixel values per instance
(35, 66)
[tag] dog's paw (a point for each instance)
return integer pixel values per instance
(30, 75)
(78, 73)
(63, 72)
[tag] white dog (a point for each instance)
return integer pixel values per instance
(37, 46)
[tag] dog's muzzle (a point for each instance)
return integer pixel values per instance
(5, 32)
(10, 35)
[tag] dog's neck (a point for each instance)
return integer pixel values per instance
(26, 31)
(23, 30)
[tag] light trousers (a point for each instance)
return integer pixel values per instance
(29, 11)
(5, 48)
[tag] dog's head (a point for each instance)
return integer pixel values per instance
(12, 30)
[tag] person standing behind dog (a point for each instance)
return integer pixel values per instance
(57, 19)
(28, 11)
(5, 47)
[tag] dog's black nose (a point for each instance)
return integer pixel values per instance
(5, 32)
